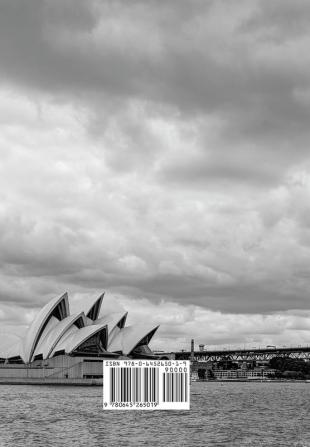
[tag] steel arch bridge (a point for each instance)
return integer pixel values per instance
(236, 355)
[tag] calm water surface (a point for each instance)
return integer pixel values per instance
(222, 414)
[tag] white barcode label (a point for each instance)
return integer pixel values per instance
(146, 384)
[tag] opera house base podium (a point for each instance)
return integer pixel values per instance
(63, 369)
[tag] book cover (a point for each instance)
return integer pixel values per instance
(154, 213)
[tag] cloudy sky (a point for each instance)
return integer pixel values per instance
(158, 151)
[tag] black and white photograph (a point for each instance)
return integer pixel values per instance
(154, 223)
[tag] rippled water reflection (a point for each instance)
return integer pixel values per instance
(222, 414)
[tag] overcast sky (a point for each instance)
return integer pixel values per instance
(158, 151)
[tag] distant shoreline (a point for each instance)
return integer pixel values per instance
(254, 380)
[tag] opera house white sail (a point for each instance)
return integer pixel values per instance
(55, 331)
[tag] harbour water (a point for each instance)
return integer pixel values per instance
(222, 414)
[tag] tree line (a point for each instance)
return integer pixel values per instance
(287, 367)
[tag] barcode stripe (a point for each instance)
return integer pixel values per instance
(175, 387)
(134, 385)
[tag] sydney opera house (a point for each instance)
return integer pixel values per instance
(62, 345)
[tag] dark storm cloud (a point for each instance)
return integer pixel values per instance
(199, 60)
(162, 54)
(279, 20)
(206, 171)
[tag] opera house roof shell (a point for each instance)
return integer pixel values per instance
(55, 331)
